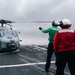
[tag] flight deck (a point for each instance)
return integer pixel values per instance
(30, 60)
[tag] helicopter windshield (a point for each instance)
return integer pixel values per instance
(10, 33)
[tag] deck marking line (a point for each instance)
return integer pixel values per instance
(18, 65)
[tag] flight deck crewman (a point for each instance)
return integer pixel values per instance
(64, 47)
(51, 31)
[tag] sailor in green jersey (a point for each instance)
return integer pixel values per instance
(51, 31)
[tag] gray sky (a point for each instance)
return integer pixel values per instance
(24, 10)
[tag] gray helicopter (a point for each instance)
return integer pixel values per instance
(9, 38)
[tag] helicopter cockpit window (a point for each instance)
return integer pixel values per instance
(6, 33)
(14, 33)
(10, 33)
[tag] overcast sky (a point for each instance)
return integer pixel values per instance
(26, 10)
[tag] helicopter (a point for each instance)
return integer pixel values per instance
(9, 38)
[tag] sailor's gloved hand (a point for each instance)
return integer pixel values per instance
(40, 28)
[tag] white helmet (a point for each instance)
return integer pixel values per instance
(65, 23)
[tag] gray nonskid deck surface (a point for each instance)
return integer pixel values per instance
(29, 61)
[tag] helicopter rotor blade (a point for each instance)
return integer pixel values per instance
(2, 21)
(9, 25)
(5, 21)
(34, 22)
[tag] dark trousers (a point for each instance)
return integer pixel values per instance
(49, 55)
(65, 57)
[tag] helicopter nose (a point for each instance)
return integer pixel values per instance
(12, 41)
(12, 45)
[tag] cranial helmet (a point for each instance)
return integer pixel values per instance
(55, 23)
(65, 23)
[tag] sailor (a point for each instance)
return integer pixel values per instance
(64, 47)
(51, 31)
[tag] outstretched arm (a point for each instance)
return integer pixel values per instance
(44, 30)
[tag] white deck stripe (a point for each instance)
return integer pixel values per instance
(18, 65)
